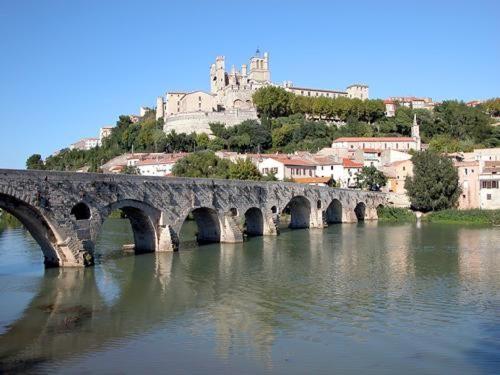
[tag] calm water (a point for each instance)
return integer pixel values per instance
(354, 298)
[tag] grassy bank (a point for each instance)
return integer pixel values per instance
(395, 214)
(483, 217)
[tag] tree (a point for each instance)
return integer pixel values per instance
(202, 164)
(273, 101)
(370, 178)
(35, 162)
(130, 169)
(434, 185)
(244, 169)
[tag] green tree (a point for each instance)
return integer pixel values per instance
(244, 169)
(273, 101)
(35, 162)
(202, 164)
(434, 185)
(370, 178)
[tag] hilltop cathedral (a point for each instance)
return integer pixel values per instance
(230, 98)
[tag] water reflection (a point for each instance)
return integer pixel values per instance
(352, 297)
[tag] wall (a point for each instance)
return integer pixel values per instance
(198, 122)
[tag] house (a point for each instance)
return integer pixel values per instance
(349, 172)
(489, 185)
(377, 143)
(287, 166)
(396, 173)
(158, 165)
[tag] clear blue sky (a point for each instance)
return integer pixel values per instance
(69, 67)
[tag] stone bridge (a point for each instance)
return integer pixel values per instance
(64, 211)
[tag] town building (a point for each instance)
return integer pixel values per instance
(104, 132)
(286, 167)
(85, 144)
(396, 173)
(479, 178)
(352, 144)
(392, 103)
(355, 91)
(158, 165)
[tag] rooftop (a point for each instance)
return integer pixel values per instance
(374, 139)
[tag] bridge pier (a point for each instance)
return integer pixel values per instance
(167, 239)
(230, 232)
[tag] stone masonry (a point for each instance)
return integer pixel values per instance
(64, 211)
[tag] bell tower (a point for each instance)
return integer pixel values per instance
(415, 132)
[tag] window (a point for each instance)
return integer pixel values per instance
(331, 167)
(404, 168)
(488, 197)
(465, 171)
(489, 184)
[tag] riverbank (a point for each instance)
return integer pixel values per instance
(453, 216)
(396, 214)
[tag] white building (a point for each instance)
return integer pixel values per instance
(85, 144)
(159, 165)
(104, 132)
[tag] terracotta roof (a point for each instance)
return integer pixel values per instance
(325, 160)
(312, 180)
(491, 166)
(372, 150)
(348, 163)
(287, 160)
(374, 139)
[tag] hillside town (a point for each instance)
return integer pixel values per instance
(230, 102)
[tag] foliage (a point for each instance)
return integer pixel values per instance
(434, 185)
(202, 164)
(249, 136)
(370, 178)
(458, 121)
(8, 221)
(207, 164)
(276, 102)
(474, 216)
(130, 169)
(387, 213)
(445, 143)
(35, 162)
(492, 107)
(244, 169)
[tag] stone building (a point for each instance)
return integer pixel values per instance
(355, 91)
(229, 100)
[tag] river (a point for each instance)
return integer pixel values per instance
(353, 298)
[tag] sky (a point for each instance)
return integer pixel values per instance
(69, 67)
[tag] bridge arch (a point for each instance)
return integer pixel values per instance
(143, 220)
(38, 226)
(334, 212)
(254, 222)
(360, 211)
(208, 223)
(81, 211)
(299, 208)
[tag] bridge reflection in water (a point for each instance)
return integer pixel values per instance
(349, 285)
